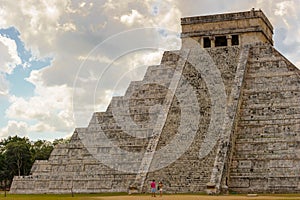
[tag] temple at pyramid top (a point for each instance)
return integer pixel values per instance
(228, 29)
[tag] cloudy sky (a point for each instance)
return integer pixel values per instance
(63, 59)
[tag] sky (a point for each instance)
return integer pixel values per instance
(62, 60)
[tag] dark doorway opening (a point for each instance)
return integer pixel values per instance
(206, 42)
(235, 40)
(221, 41)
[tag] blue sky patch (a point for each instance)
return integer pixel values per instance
(18, 85)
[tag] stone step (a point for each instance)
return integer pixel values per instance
(160, 122)
(153, 72)
(173, 56)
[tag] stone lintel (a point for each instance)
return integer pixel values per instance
(227, 17)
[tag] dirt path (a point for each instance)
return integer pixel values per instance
(199, 197)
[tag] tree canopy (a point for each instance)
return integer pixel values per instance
(17, 155)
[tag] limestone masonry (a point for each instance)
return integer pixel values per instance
(253, 147)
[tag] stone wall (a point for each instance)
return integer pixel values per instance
(189, 173)
(252, 26)
(71, 168)
(266, 153)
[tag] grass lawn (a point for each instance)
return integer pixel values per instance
(57, 196)
(123, 196)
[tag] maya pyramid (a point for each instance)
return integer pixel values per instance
(220, 114)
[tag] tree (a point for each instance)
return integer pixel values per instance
(41, 150)
(18, 157)
(18, 154)
(11, 139)
(61, 141)
(5, 174)
(16, 151)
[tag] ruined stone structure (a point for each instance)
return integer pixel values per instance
(257, 148)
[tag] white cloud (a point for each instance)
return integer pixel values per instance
(109, 4)
(9, 59)
(9, 55)
(82, 4)
(68, 27)
(50, 108)
(2, 13)
(14, 128)
(4, 85)
(98, 58)
(149, 13)
(286, 17)
(37, 21)
(41, 127)
(133, 17)
(282, 8)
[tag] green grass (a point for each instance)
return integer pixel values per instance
(99, 195)
(57, 196)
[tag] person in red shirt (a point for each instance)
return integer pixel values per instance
(153, 188)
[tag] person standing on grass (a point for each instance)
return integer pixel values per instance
(160, 188)
(153, 188)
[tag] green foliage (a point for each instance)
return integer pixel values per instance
(41, 150)
(17, 155)
(4, 171)
(61, 141)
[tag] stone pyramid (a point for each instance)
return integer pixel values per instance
(220, 114)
